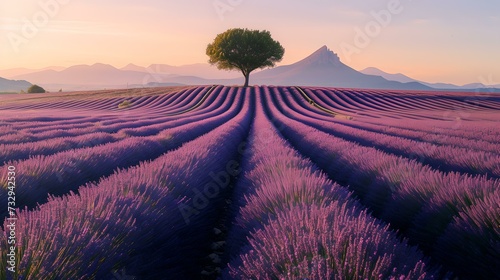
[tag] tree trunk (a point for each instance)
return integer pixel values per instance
(247, 77)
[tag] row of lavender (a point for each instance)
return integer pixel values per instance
(162, 101)
(51, 142)
(435, 210)
(64, 171)
(436, 132)
(72, 207)
(443, 157)
(408, 105)
(448, 117)
(109, 101)
(29, 130)
(291, 222)
(284, 211)
(148, 219)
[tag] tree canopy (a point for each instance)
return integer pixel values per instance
(36, 89)
(245, 50)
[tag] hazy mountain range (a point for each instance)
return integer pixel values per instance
(321, 68)
(405, 79)
(13, 85)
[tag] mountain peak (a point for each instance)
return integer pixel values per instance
(133, 67)
(103, 66)
(323, 56)
(324, 48)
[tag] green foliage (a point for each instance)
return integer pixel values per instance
(245, 50)
(124, 104)
(35, 89)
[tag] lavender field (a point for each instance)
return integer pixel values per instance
(262, 182)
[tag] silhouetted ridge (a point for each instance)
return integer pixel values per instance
(322, 56)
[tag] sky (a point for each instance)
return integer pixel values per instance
(455, 41)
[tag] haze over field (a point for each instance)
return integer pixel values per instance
(447, 41)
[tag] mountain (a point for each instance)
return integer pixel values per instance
(324, 68)
(391, 77)
(202, 70)
(405, 79)
(321, 68)
(133, 67)
(13, 85)
(96, 76)
(11, 73)
(99, 76)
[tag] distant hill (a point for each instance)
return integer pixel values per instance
(324, 68)
(99, 76)
(14, 72)
(321, 68)
(102, 75)
(391, 77)
(13, 85)
(445, 86)
(201, 70)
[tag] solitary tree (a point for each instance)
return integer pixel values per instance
(245, 50)
(35, 89)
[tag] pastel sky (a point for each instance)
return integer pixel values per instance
(455, 41)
